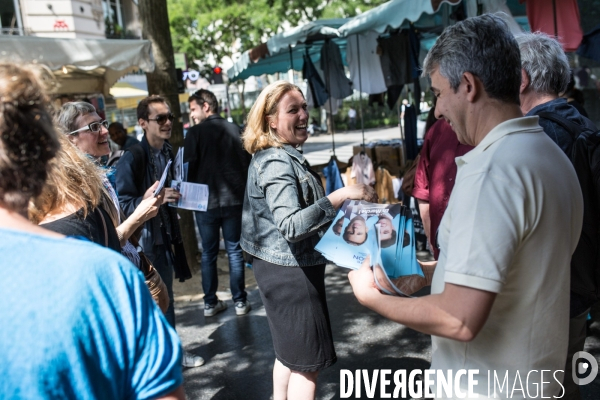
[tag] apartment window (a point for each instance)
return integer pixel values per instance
(113, 20)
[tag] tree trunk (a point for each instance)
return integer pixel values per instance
(163, 81)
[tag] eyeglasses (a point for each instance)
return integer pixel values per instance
(162, 118)
(94, 127)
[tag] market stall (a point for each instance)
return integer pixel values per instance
(80, 65)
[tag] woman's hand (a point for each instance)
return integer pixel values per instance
(147, 209)
(353, 192)
(150, 191)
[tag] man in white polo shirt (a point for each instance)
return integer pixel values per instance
(500, 292)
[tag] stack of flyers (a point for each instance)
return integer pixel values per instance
(383, 232)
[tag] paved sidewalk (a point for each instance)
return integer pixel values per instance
(239, 354)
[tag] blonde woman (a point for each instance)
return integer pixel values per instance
(285, 214)
(74, 202)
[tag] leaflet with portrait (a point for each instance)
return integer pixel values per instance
(382, 232)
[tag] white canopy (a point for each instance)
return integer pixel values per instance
(80, 65)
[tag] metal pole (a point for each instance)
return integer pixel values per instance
(362, 123)
(291, 74)
(330, 98)
(401, 131)
(17, 8)
(554, 16)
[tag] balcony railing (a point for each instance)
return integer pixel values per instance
(15, 31)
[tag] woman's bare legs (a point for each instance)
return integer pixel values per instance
(281, 380)
(291, 385)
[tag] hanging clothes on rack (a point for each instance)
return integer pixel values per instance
(395, 64)
(332, 175)
(491, 7)
(371, 80)
(590, 46)
(362, 169)
(410, 131)
(332, 108)
(315, 83)
(384, 186)
(340, 86)
(414, 50)
(541, 16)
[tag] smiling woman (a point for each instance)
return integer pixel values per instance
(85, 128)
(88, 132)
(285, 214)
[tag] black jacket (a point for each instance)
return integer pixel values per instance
(216, 158)
(579, 138)
(131, 189)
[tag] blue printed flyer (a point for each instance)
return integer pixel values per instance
(383, 232)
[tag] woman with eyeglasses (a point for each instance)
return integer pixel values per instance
(65, 211)
(73, 200)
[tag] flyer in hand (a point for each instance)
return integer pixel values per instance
(383, 232)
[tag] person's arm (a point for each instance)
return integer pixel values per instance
(458, 313)
(424, 211)
(353, 192)
(279, 185)
(147, 209)
(177, 394)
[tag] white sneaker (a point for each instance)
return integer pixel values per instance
(191, 361)
(209, 310)
(242, 307)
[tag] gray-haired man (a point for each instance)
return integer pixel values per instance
(545, 76)
(500, 292)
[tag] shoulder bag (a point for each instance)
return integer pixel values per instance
(154, 282)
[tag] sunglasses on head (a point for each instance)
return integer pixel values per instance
(161, 119)
(94, 127)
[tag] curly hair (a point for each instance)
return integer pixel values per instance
(28, 140)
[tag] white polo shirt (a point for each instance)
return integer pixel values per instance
(511, 226)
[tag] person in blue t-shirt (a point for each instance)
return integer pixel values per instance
(77, 320)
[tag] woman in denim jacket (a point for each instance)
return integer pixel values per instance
(285, 214)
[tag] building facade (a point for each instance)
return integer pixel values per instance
(81, 19)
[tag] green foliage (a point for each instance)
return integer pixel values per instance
(210, 31)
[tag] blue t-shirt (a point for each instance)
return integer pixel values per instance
(77, 321)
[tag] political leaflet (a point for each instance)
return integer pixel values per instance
(382, 232)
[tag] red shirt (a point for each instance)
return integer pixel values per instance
(436, 172)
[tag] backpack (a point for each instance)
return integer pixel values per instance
(585, 156)
(114, 157)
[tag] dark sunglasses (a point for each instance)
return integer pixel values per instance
(162, 118)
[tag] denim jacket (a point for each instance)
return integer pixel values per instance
(285, 209)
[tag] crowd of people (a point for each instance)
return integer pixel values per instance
(506, 183)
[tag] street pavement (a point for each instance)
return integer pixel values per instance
(239, 354)
(319, 149)
(238, 350)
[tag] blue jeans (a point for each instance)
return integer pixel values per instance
(229, 219)
(161, 261)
